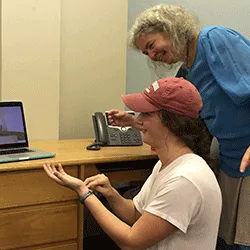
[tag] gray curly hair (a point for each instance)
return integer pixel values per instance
(178, 23)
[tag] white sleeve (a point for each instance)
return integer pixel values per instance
(178, 202)
(140, 198)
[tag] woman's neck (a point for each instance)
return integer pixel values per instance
(168, 154)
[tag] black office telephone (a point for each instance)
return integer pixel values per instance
(108, 135)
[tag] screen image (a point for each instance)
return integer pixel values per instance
(11, 125)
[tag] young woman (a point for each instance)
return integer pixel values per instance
(179, 205)
(217, 63)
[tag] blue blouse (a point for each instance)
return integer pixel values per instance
(221, 73)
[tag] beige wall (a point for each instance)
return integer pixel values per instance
(30, 49)
(93, 62)
(64, 59)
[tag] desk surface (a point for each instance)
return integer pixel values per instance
(70, 152)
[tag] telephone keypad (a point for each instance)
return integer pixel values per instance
(124, 136)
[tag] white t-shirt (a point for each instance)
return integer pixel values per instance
(187, 195)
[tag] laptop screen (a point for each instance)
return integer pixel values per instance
(12, 125)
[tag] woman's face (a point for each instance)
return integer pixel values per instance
(154, 132)
(156, 46)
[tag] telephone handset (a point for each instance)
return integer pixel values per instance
(108, 135)
(100, 128)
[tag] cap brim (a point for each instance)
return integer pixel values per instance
(137, 102)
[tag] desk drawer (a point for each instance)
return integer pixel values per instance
(32, 187)
(44, 225)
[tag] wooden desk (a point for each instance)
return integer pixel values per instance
(36, 213)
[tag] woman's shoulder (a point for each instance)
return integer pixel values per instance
(218, 32)
(193, 163)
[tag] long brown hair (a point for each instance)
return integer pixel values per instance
(193, 132)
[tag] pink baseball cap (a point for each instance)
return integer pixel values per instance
(172, 94)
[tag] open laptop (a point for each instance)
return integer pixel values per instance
(14, 145)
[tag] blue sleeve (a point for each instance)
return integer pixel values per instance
(228, 56)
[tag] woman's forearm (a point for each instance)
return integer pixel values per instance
(123, 208)
(116, 229)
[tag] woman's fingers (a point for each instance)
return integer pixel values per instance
(53, 173)
(96, 180)
(48, 169)
(60, 169)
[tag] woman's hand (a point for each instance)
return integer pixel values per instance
(122, 118)
(57, 174)
(100, 183)
(245, 162)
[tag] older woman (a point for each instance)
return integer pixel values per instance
(217, 63)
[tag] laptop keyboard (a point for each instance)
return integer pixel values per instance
(15, 151)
